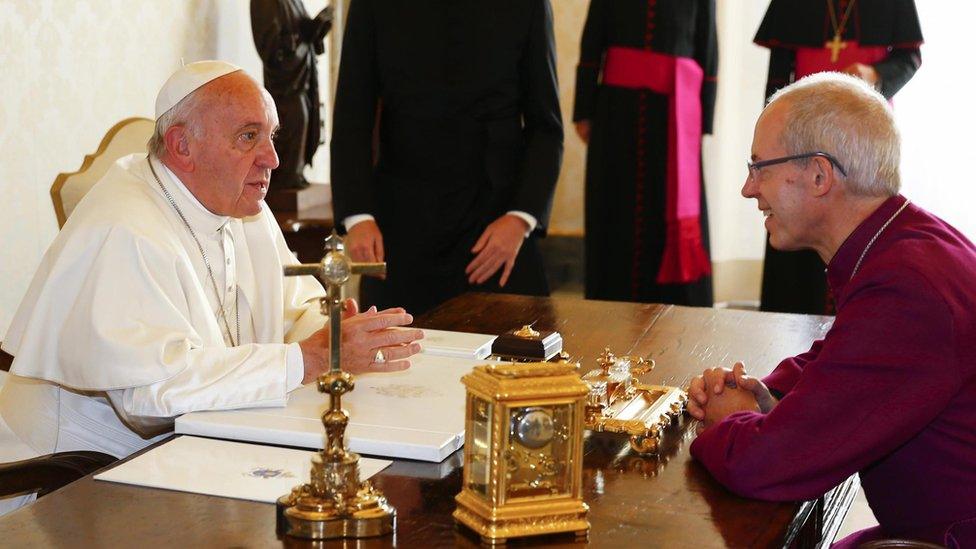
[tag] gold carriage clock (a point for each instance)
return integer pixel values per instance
(523, 451)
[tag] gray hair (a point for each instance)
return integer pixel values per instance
(182, 114)
(844, 116)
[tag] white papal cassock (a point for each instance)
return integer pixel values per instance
(119, 331)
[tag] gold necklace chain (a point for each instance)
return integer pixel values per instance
(839, 28)
(213, 279)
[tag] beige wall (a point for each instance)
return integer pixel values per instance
(69, 70)
(567, 213)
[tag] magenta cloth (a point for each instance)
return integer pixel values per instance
(813, 60)
(680, 78)
(890, 392)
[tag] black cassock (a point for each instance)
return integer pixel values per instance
(627, 156)
(469, 129)
(795, 282)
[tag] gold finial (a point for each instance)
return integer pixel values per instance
(526, 332)
(606, 360)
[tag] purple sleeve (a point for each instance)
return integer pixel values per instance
(787, 373)
(884, 371)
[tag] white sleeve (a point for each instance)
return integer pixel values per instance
(352, 220)
(295, 362)
(527, 217)
(253, 375)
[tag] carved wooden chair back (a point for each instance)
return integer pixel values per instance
(127, 137)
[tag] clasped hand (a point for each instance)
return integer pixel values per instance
(720, 392)
(362, 335)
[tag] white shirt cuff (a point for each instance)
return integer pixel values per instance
(354, 219)
(294, 367)
(528, 218)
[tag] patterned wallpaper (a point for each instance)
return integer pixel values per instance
(70, 69)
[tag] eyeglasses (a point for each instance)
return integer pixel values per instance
(754, 167)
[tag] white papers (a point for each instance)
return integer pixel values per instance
(225, 469)
(457, 344)
(415, 414)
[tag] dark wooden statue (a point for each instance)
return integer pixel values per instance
(288, 40)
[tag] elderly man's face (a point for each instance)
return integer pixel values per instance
(778, 189)
(234, 156)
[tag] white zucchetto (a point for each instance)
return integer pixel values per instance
(186, 80)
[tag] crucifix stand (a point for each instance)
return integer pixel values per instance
(334, 503)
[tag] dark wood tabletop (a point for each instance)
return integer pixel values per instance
(665, 501)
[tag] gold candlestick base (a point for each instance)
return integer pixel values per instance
(302, 514)
(335, 504)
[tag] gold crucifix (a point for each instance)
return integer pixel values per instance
(835, 46)
(837, 43)
(335, 504)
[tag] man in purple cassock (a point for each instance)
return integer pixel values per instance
(890, 392)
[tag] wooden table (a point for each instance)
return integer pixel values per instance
(669, 501)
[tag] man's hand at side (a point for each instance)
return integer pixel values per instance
(364, 242)
(864, 72)
(362, 335)
(498, 247)
(583, 131)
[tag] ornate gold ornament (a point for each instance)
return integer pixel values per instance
(526, 331)
(523, 453)
(334, 503)
(618, 403)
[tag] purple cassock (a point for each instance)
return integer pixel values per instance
(890, 392)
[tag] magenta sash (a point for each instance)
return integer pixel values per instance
(680, 78)
(814, 60)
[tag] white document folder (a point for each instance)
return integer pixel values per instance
(457, 344)
(223, 468)
(415, 414)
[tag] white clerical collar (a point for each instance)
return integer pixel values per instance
(197, 214)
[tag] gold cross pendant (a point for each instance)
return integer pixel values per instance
(835, 46)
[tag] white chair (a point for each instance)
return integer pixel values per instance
(127, 137)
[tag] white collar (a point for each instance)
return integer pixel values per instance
(207, 222)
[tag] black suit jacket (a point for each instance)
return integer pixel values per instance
(464, 96)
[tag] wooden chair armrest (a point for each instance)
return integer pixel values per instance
(45, 474)
(5, 361)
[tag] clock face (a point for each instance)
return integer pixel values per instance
(533, 428)
(537, 456)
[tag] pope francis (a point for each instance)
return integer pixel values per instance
(163, 293)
